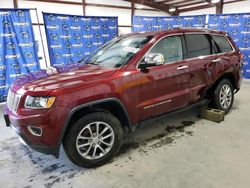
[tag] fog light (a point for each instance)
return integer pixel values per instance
(36, 131)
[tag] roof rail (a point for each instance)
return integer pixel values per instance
(201, 28)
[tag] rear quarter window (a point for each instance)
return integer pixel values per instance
(222, 44)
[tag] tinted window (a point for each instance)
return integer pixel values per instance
(170, 47)
(197, 45)
(222, 44)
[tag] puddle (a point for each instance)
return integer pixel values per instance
(180, 127)
(171, 133)
(187, 123)
(125, 148)
(165, 141)
(190, 133)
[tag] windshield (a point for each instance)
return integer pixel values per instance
(118, 51)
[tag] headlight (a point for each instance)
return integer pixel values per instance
(39, 102)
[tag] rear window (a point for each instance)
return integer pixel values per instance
(222, 44)
(198, 45)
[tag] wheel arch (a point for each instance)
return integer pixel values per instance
(110, 105)
(229, 76)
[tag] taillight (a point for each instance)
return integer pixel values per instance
(241, 56)
(241, 60)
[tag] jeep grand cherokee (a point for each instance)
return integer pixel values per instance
(88, 105)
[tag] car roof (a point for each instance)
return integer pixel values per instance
(176, 31)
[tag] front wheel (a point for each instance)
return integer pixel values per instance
(93, 140)
(223, 96)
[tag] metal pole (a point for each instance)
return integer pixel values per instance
(84, 7)
(39, 26)
(15, 3)
(132, 15)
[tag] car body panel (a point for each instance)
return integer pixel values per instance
(162, 89)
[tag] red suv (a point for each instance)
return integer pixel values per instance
(88, 105)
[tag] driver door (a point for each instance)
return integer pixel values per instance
(165, 87)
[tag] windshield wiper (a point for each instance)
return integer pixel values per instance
(92, 63)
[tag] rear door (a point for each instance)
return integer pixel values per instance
(164, 88)
(226, 56)
(200, 56)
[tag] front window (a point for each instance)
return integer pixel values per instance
(118, 52)
(171, 49)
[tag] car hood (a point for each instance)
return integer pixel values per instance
(73, 75)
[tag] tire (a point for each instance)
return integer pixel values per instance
(80, 146)
(223, 96)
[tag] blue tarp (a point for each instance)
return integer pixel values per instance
(70, 38)
(151, 23)
(238, 27)
(18, 53)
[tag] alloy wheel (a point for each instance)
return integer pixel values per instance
(95, 140)
(225, 96)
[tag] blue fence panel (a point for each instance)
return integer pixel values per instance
(70, 37)
(238, 27)
(18, 53)
(151, 23)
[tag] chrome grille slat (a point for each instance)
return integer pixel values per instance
(13, 100)
(15, 103)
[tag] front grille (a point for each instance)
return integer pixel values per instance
(13, 100)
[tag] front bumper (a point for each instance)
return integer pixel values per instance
(48, 150)
(50, 122)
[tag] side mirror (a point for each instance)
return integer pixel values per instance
(152, 59)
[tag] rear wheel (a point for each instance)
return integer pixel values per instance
(223, 96)
(93, 140)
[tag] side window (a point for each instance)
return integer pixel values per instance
(198, 45)
(170, 48)
(222, 44)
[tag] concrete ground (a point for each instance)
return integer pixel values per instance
(176, 151)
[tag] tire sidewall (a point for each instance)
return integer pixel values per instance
(217, 95)
(70, 142)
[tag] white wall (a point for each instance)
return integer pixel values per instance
(50, 7)
(6, 4)
(45, 58)
(200, 12)
(150, 13)
(239, 7)
(124, 15)
(108, 2)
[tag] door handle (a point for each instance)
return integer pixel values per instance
(182, 67)
(216, 60)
